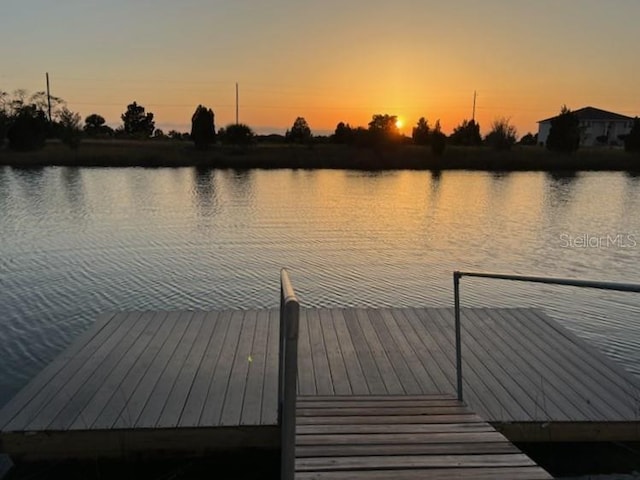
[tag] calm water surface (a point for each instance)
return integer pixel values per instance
(78, 242)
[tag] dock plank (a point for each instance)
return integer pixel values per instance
(219, 383)
(425, 352)
(357, 380)
(587, 371)
(18, 404)
(337, 367)
(390, 345)
(195, 401)
(105, 356)
(306, 369)
(521, 473)
(237, 381)
(322, 371)
(548, 359)
(96, 392)
(109, 401)
(540, 406)
(270, 394)
(442, 346)
(152, 411)
(388, 325)
(421, 447)
(119, 416)
(389, 369)
(176, 400)
(372, 376)
(252, 402)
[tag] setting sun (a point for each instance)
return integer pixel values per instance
(399, 123)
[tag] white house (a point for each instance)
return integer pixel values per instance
(597, 127)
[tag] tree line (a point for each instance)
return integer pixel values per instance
(26, 123)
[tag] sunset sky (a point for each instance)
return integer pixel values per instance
(327, 61)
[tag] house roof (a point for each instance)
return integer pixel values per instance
(595, 115)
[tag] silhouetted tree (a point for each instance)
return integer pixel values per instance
(361, 137)
(502, 135)
(564, 136)
(69, 128)
(420, 132)
(383, 129)
(343, 134)
(632, 139)
(28, 129)
(159, 134)
(41, 101)
(529, 139)
(466, 134)
(300, 131)
(438, 140)
(203, 129)
(137, 123)
(94, 126)
(236, 134)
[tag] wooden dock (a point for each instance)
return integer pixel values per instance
(400, 437)
(145, 382)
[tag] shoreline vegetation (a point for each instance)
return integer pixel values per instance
(172, 153)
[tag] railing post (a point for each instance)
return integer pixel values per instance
(457, 275)
(456, 298)
(289, 321)
(281, 350)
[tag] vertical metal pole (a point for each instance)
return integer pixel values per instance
(49, 98)
(456, 296)
(237, 108)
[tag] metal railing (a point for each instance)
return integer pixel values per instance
(457, 275)
(287, 375)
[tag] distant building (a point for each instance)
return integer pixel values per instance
(598, 127)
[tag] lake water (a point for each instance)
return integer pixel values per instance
(78, 242)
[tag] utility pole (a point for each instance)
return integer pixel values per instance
(237, 103)
(473, 115)
(49, 97)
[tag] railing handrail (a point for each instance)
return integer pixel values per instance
(616, 286)
(287, 374)
(457, 275)
(288, 294)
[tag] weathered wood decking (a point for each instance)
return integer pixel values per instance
(173, 374)
(434, 437)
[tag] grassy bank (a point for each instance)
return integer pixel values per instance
(129, 153)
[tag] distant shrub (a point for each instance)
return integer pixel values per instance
(502, 135)
(529, 139)
(237, 134)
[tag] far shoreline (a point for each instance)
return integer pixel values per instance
(171, 153)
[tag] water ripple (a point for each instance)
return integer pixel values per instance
(78, 242)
